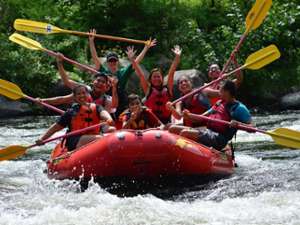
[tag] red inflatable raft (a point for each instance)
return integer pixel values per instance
(139, 154)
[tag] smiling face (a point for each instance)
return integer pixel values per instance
(156, 78)
(184, 85)
(113, 65)
(135, 105)
(214, 71)
(81, 95)
(100, 84)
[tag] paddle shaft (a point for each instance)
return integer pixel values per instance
(107, 37)
(67, 135)
(224, 76)
(73, 62)
(33, 99)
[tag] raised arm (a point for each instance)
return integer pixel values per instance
(177, 51)
(141, 56)
(138, 70)
(59, 100)
(93, 50)
(115, 97)
(63, 74)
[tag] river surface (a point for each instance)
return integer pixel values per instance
(265, 188)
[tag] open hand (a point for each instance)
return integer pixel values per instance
(177, 50)
(92, 34)
(151, 43)
(130, 53)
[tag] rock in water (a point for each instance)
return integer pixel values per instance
(13, 108)
(290, 101)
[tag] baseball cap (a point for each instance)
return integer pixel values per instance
(112, 55)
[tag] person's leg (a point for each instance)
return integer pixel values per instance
(176, 129)
(190, 133)
(85, 139)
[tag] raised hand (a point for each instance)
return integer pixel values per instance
(177, 50)
(114, 81)
(130, 53)
(92, 34)
(151, 43)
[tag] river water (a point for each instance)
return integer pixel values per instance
(265, 188)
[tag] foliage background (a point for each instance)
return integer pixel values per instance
(206, 29)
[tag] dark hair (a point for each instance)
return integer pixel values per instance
(112, 55)
(133, 97)
(153, 71)
(76, 89)
(101, 74)
(230, 87)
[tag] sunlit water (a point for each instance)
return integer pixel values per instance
(265, 188)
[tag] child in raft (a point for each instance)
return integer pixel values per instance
(156, 93)
(137, 116)
(82, 114)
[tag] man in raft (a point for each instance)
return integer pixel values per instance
(228, 108)
(82, 114)
(156, 93)
(137, 116)
(112, 69)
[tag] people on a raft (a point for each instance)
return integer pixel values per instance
(214, 72)
(228, 108)
(156, 93)
(198, 104)
(137, 116)
(114, 70)
(97, 90)
(82, 114)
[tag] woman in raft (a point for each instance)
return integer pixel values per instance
(82, 114)
(156, 93)
(137, 116)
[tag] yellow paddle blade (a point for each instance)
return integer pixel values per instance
(257, 14)
(262, 57)
(286, 137)
(25, 42)
(10, 90)
(35, 27)
(12, 152)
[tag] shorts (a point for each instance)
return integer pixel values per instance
(71, 142)
(210, 138)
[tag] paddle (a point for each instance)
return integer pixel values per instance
(34, 45)
(14, 151)
(255, 61)
(254, 19)
(281, 136)
(45, 28)
(14, 92)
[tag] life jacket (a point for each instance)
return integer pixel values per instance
(141, 123)
(156, 101)
(221, 111)
(197, 105)
(214, 100)
(98, 101)
(85, 116)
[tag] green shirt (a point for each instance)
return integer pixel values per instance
(122, 74)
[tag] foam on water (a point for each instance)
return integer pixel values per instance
(265, 189)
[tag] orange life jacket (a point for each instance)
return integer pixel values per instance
(141, 123)
(198, 105)
(156, 101)
(86, 116)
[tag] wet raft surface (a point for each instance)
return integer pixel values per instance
(265, 188)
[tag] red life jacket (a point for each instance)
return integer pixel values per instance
(214, 100)
(86, 116)
(219, 111)
(141, 123)
(156, 101)
(98, 101)
(194, 106)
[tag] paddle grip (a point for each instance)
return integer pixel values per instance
(45, 104)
